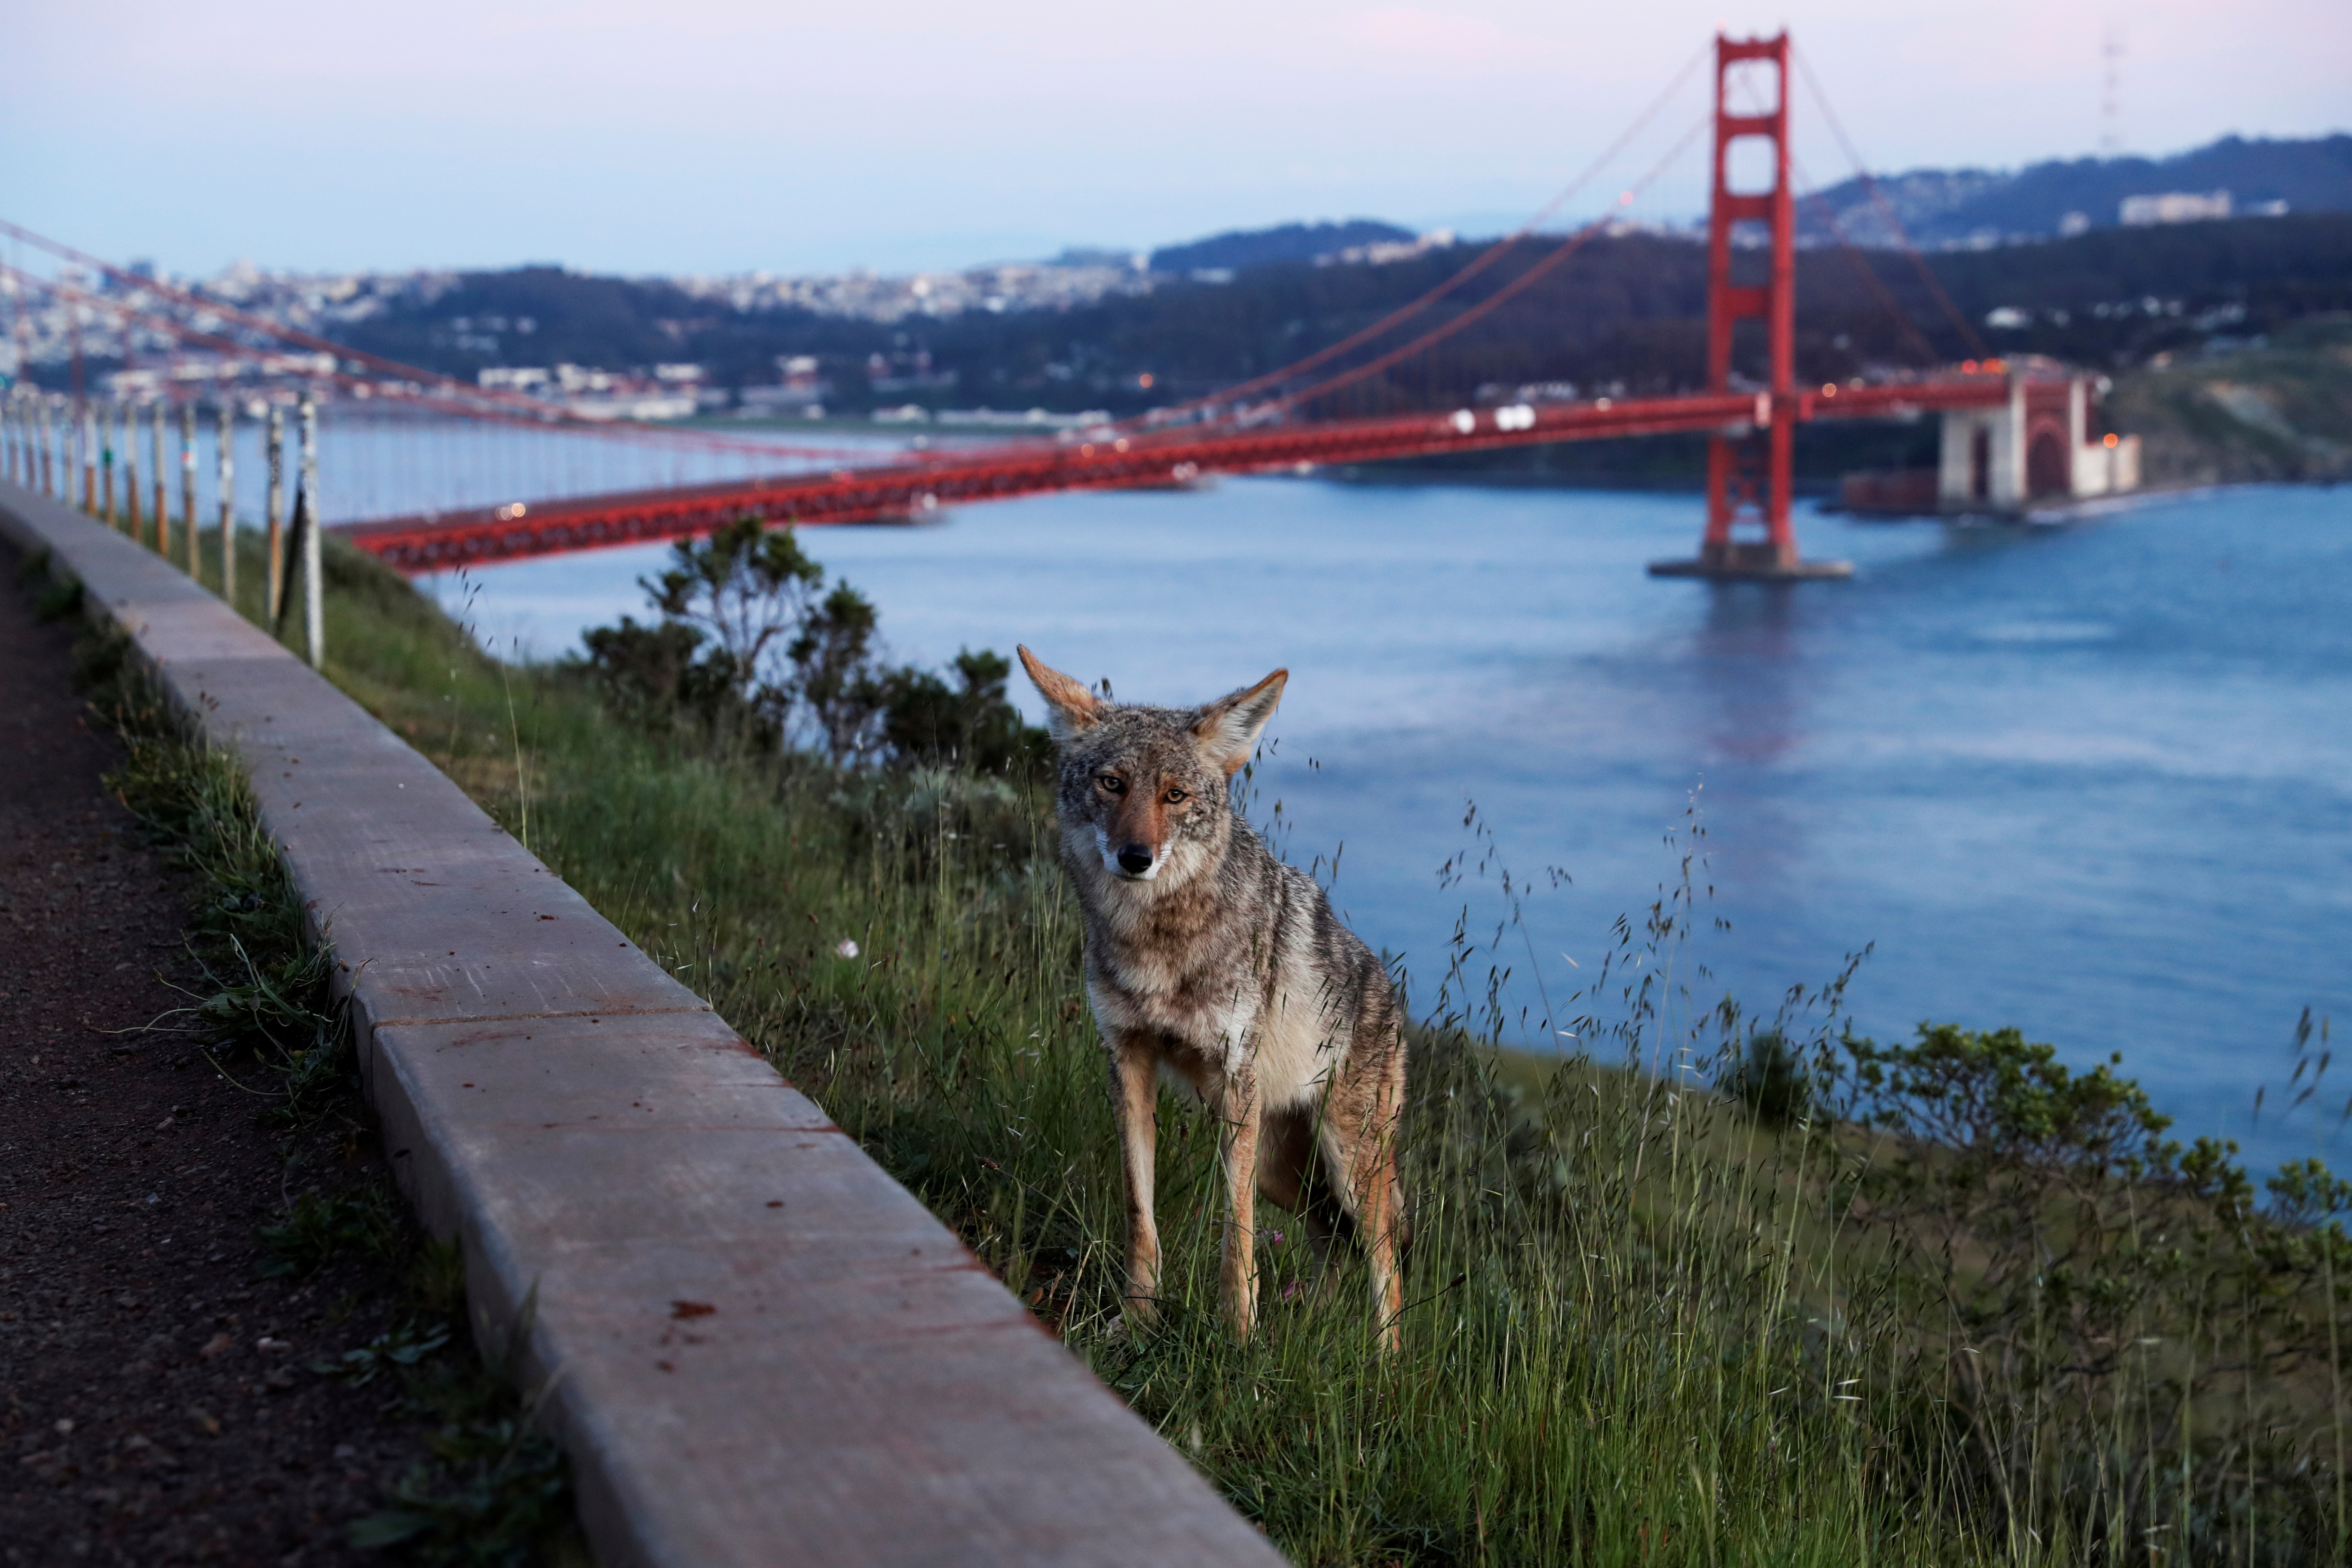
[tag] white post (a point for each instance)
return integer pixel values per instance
(115, 414)
(163, 523)
(131, 468)
(274, 508)
(188, 485)
(224, 433)
(314, 604)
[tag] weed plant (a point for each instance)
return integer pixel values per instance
(1724, 1289)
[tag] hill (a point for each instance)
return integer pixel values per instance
(1968, 207)
(1625, 316)
(1238, 250)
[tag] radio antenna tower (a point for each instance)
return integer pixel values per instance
(2111, 95)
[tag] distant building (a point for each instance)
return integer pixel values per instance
(799, 388)
(2175, 206)
(1380, 253)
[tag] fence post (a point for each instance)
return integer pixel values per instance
(224, 441)
(86, 434)
(274, 509)
(314, 604)
(162, 512)
(106, 459)
(188, 486)
(48, 451)
(131, 469)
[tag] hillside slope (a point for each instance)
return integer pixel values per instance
(2282, 411)
(1960, 207)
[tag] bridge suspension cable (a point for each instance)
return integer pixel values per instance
(1508, 291)
(1478, 264)
(1861, 268)
(1967, 330)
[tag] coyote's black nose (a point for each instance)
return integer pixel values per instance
(1134, 859)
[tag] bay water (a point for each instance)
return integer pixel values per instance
(2092, 779)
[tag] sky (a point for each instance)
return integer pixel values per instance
(727, 136)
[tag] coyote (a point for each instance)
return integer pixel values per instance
(1213, 962)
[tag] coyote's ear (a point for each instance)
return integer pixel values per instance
(1228, 728)
(1071, 707)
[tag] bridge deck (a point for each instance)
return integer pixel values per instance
(911, 488)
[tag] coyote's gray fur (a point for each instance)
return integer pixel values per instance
(1213, 961)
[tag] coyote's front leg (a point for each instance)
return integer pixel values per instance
(1134, 1094)
(1236, 1107)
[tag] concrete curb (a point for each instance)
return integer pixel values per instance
(613, 1159)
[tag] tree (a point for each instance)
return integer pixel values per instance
(745, 585)
(925, 720)
(659, 676)
(834, 675)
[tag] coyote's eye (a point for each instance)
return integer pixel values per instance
(1111, 783)
(1174, 795)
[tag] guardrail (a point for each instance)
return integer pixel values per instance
(48, 440)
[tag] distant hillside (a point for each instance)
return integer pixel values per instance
(2279, 411)
(1239, 249)
(1951, 208)
(1626, 316)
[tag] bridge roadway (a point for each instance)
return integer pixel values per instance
(908, 488)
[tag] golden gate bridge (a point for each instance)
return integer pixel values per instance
(2011, 433)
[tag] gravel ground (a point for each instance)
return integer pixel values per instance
(157, 1404)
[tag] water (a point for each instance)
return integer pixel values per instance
(2095, 780)
(375, 465)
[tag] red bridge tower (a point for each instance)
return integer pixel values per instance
(1748, 466)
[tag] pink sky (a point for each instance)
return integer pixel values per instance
(710, 136)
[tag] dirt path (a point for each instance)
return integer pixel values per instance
(156, 1400)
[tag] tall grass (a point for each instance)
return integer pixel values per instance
(1649, 1319)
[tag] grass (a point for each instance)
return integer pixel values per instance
(1645, 1323)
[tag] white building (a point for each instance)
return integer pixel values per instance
(2175, 206)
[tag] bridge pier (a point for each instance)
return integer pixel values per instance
(1752, 563)
(2034, 447)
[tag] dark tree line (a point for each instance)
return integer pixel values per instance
(1625, 315)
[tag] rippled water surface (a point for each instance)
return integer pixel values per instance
(2093, 780)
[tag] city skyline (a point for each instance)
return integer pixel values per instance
(720, 139)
